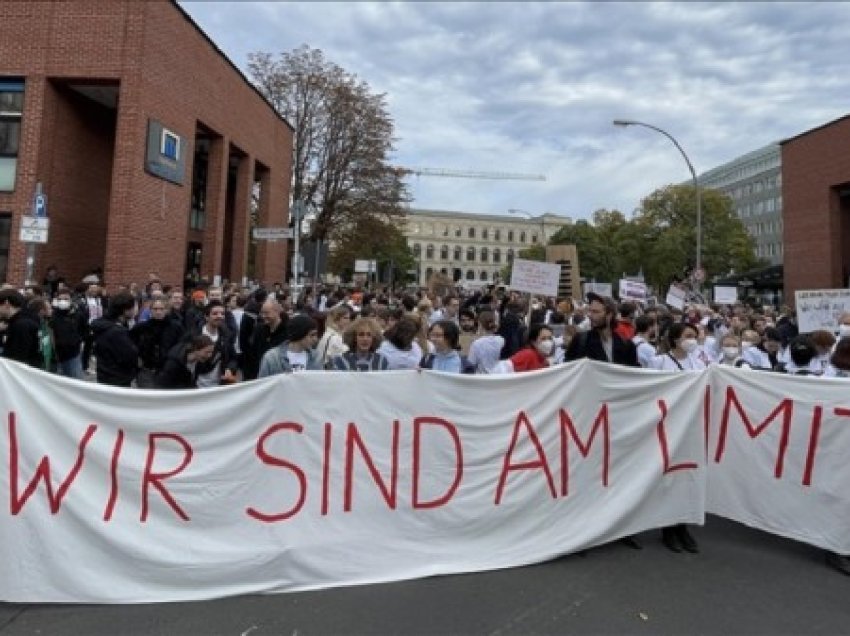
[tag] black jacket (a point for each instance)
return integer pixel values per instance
(116, 353)
(588, 344)
(155, 339)
(262, 340)
(224, 352)
(175, 374)
(69, 326)
(22, 342)
(513, 330)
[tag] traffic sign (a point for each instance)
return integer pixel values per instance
(39, 205)
(272, 233)
(34, 229)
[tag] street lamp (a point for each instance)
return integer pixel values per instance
(629, 122)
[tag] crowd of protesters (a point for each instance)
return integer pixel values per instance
(160, 336)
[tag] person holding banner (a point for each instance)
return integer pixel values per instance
(602, 342)
(535, 355)
(682, 340)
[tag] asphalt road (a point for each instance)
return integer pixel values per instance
(743, 582)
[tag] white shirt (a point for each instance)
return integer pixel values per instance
(212, 377)
(645, 352)
(666, 362)
(400, 359)
(297, 360)
(484, 352)
(755, 357)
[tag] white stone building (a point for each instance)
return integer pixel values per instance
(473, 248)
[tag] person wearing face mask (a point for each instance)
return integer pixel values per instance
(535, 355)
(844, 326)
(70, 327)
(752, 352)
(682, 340)
(730, 352)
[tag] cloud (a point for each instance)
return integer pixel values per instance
(533, 86)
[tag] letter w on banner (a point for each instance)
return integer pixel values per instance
(316, 480)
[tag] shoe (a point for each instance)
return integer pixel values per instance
(631, 542)
(687, 541)
(839, 562)
(669, 539)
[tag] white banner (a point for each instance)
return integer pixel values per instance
(632, 290)
(821, 308)
(324, 479)
(534, 277)
(676, 297)
(725, 295)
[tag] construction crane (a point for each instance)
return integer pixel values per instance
(470, 174)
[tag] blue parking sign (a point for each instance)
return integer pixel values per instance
(39, 205)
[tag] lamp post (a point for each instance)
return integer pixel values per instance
(698, 273)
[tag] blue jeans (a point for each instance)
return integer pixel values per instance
(72, 368)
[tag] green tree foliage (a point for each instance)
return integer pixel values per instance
(371, 238)
(343, 136)
(661, 239)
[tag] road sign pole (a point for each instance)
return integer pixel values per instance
(31, 246)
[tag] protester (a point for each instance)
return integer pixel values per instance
(601, 342)
(70, 327)
(183, 363)
(362, 338)
(399, 345)
(296, 353)
(115, 352)
(331, 343)
(484, 352)
(535, 355)
(444, 335)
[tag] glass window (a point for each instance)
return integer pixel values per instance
(457, 232)
(470, 274)
(522, 237)
(11, 112)
(429, 252)
(470, 253)
(510, 236)
(5, 236)
(429, 272)
(458, 252)
(417, 250)
(472, 232)
(444, 252)
(485, 234)
(509, 256)
(484, 255)
(483, 275)
(498, 235)
(497, 255)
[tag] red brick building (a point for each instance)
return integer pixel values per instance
(148, 143)
(816, 207)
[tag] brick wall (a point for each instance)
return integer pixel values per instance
(167, 71)
(815, 165)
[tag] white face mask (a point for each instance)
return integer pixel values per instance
(844, 331)
(545, 347)
(730, 352)
(689, 345)
(62, 304)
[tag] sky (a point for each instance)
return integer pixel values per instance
(533, 87)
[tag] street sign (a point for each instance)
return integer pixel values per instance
(34, 229)
(273, 233)
(39, 205)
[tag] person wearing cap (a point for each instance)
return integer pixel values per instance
(296, 353)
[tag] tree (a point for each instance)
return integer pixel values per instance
(343, 135)
(371, 238)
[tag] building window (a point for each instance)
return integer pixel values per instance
(470, 274)
(444, 271)
(11, 112)
(470, 253)
(485, 234)
(444, 253)
(510, 236)
(5, 237)
(522, 237)
(169, 145)
(429, 252)
(534, 238)
(497, 235)
(458, 252)
(509, 256)
(472, 232)
(484, 255)
(457, 232)
(497, 255)
(417, 250)
(483, 276)
(429, 272)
